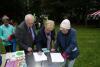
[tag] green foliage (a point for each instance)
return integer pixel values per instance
(56, 9)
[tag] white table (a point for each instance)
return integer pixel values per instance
(31, 62)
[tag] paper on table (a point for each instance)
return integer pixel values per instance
(56, 57)
(38, 57)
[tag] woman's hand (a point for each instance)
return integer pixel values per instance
(65, 55)
(53, 50)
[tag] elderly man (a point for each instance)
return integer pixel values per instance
(46, 35)
(67, 42)
(25, 34)
(5, 31)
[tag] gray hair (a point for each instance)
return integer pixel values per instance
(5, 18)
(29, 16)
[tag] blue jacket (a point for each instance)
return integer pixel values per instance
(42, 40)
(68, 43)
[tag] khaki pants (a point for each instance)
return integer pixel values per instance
(68, 63)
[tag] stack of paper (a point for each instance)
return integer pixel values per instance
(38, 57)
(56, 57)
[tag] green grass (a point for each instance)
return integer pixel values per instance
(88, 39)
(89, 44)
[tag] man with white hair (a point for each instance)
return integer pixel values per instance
(25, 34)
(67, 43)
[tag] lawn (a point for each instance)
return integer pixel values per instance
(89, 44)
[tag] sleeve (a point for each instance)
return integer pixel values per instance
(19, 37)
(39, 40)
(72, 43)
(53, 33)
(53, 39)
(57, 44)
(1, 34)
(13, 29)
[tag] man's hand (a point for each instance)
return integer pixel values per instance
(29, 49)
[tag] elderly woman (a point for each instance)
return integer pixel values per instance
(67, 43)
(5, 31)
(46, 35)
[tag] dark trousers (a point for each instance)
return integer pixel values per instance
(9, 48)
(0, 60)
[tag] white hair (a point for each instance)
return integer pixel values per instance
(29, 16)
